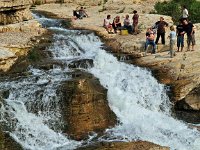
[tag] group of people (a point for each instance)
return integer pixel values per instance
(159, 28)
(79, 13)
(115, 24)
(184, 27)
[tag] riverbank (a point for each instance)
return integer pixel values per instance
(16, 40)
(181, 72)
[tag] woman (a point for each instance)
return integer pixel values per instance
(116, 24)
(127, 24)
(135, 21)
(107, 24)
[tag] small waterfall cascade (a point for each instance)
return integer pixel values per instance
(32, 110)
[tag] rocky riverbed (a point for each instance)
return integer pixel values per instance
(180, 73)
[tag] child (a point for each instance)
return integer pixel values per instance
(172, 37)
(180, 36)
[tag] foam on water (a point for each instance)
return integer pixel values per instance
(135, 96)
(138, 100)
(32, 110)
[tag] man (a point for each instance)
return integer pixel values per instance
(185, 12)
(150, 40)
(161, 30)
(189, 29)
(82, 13)
(180, 35)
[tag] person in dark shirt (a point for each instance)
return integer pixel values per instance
(161, 30)
(116, 24)
(180, 35)
(76, 14)
(189, 30)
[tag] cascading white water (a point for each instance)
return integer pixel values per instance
(138, 100)
(32, 110)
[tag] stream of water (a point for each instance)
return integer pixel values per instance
(32, 110)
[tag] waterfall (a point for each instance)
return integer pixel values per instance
(138, 100)
(32, 109)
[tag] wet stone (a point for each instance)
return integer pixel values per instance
(83, 63)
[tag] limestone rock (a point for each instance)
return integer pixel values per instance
(85, 107)
(140, 145)
(191, 101)
(16, 40)
(14, 11)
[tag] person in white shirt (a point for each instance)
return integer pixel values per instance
(107, 24)
(185, 12)
(172, 37)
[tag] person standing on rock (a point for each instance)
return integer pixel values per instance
(180, 36)
(150, 41)
(135, 22)
(161, 25)
(185, 12)
(189, 29)
(172, 37)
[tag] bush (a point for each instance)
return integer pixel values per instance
(38, 2)
(174, 8)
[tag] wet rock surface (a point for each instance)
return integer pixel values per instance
(86, 107)
(8, 143)
(140, 145)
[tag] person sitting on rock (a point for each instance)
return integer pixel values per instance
(116, 24)
(127, 25)
(76, 13)
(150, 40)
(82, 13)
(107, 24)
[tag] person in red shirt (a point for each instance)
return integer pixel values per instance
(135, 22)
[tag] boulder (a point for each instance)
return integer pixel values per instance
(191, 101)
(14, 11)
(7, 142)
(86, 107)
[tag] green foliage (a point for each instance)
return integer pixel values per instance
(38, 2)
(174, 8)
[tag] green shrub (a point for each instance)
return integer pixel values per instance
(38, 2)
(174, 8)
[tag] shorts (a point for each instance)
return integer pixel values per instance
(191, 39)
